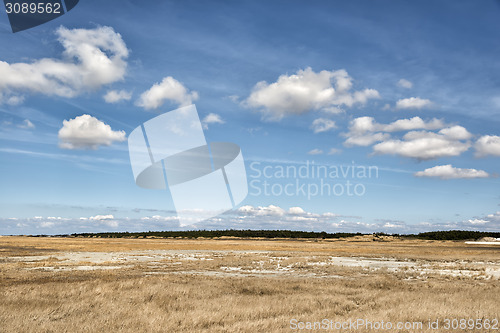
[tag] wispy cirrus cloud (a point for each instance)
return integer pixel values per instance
(321, 125)
(315, 151)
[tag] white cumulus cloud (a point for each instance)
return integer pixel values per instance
(270, 210)
(368, 124)
(212, 118)
(456, 133)
(91, 58)
(412, 124)
(487, 145)
(305, 91)
(413, 103)
(259, 217)
(107, 220)
(450, 172)
(169, 89)
(296, 211)
(424, 145)
(365, 131)
(478, 221)
(115, 96)
(87, 132)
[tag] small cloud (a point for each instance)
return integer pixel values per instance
(333, 110)
(234, 98)
(212, 118)
(386, 107)
(87, 132)
(366, 139)
(449, 172)
(487, 145)
(405, 84)
(496, 102)
(414, 123)
(334, 151)
(391, 225)
(413, 103)
(296, 211)
(108, 220)
(270, 210)
(322, 125)
(169, 89)
(101, 217)
(112, 224)
(15, 100)
(115, 96)
(456, 133)
(315, 151)
(478, 221)
(253, 130)
(160, 218)
(26, 124)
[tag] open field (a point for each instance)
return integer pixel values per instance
(241, 285)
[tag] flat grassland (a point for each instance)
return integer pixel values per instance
(244, 285)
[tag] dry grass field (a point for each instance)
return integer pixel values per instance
(240, 285)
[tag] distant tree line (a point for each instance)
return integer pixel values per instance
(455, 235)
(433, 235)
(220, 233)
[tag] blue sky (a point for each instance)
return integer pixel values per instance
(411, 88)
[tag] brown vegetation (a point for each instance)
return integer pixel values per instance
(233, 285)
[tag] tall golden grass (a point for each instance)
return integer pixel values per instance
(169, 294)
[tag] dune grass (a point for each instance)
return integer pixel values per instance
(187, 292)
